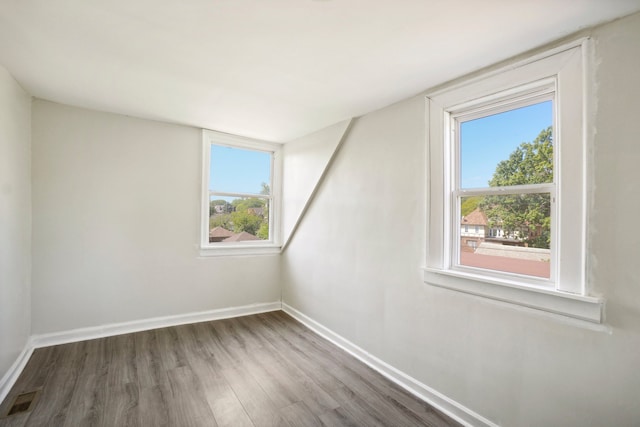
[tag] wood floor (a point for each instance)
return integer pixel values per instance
(260, 370)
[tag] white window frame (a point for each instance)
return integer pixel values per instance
(253, 247)
(562, 71)
(530, 94)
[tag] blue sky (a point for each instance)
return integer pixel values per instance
(234, 170)
(484, 143)
(487, 141)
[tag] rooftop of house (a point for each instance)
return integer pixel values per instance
(256, 211)
(241, 237)
(476, 217)
(220, 232)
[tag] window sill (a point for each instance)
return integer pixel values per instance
(239, 250)
(576, 306)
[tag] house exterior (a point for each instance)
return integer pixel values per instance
(220, 209)
(256, 211)
(241, 237)
(218, 234)
(474, 228)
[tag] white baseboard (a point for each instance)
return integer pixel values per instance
(102, 331)
(11, 376)
(450, 407)
(75, 335)
(438, 400)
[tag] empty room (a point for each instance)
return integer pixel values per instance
(319, 213)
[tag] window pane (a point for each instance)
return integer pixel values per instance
(510, 148)
(509, 233)
(236, 219)
(235, 170)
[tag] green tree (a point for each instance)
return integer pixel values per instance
(219, 202)
(469, 204)
(240, 215)
(244, 221)
(221, 220)
(246, 203)
(530, 163)
(526, 216)
(263, 231)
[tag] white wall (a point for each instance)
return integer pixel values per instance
(15, 220)
(304, 161)
(355, 267)
(116, 224)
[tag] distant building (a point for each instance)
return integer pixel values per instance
(488, 247)
(256, 211)
(474, 228)
(241, 237)
(218, 234)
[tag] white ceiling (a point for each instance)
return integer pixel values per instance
(270, 69)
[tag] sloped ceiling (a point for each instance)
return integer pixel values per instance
(270, 69)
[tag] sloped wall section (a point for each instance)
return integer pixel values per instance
(305, 162)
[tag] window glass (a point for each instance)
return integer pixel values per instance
(239, 195)
(238, 219)
(489, 140)
(512, 231)
(236, 170)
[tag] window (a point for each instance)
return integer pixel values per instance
(507, 155)
(240, 195)
(503, 173)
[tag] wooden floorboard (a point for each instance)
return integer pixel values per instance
(253, 371)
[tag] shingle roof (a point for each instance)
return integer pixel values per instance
(477, 217)
(220, 232)
(240, 237)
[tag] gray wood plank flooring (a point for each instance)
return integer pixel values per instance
(252, 371)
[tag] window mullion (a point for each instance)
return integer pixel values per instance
(515, 189)
(247, 195)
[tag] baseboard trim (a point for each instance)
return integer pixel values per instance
(11, 376)
(438, 400)
(102, 331)
(450, 407)
(75, 335)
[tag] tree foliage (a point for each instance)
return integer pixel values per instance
(221, 220)
(524, 216)
(263, 231)
(245, 221)
(530, 163)
(246, 204)
(226, 207)
(248, 214)
(265, 189)
(469, 204)
(243, 214)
